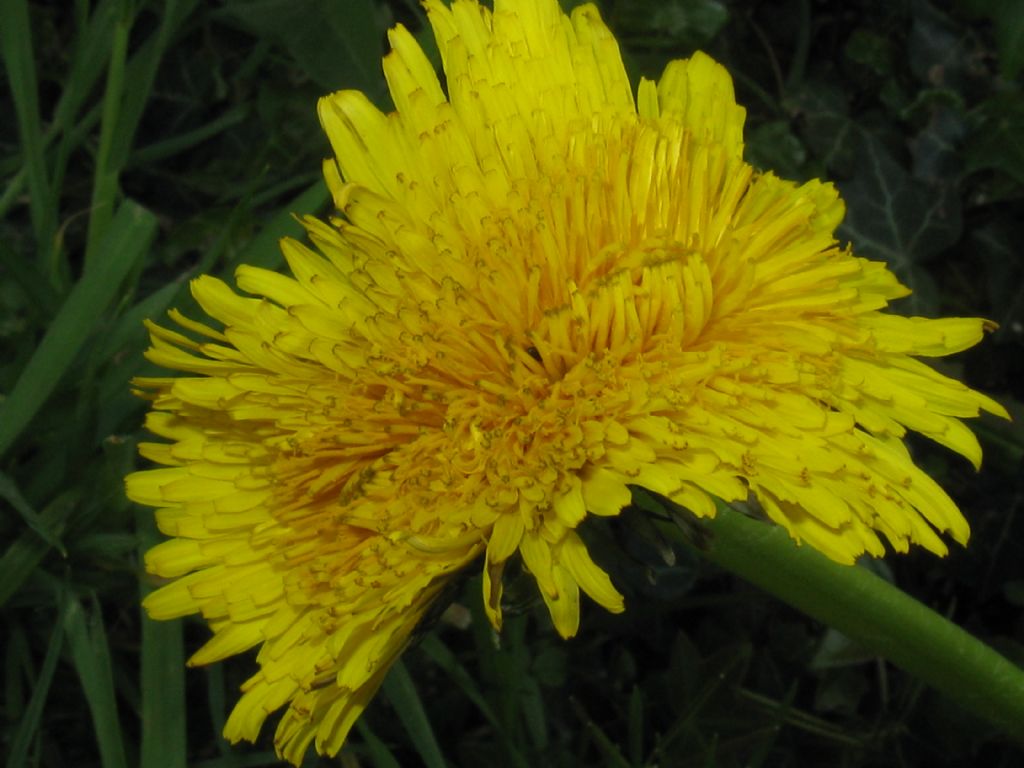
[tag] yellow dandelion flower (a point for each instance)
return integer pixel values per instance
(537, 291)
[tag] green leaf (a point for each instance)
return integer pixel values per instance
(106, 173)
(16, 49)
(532, 707)
(837, 650)
(1007, 17)
(936, 150)
(871, 50)
(10, 493)
(264, 249)
(176, 145)
(39, 295)
(128, 89)
(126, 243)
(613, 757)
(549, 666)
(28, 549)
(635, 724)
(872, 612)
(935, 49)
(996, 246)
(825, 126)
(122, 351)
(28, 725)
(773, 147)
(236, 760)
(898, 219)
(720, 674)
(336, 44)
(441, 655)
(842, 691)
(90, 653)
(380, 756)
(1008, 24)
(216, 699)
(1013, 591)
(997, 140)
(91, 53)
(687, 24)
(162, 684)
(140, 75)
(401, 692)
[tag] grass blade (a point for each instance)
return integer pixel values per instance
(870, 611)
(141, 74)
(15, 184)
(10, 493)
(104, 189)
(175, 145)
(401, 692)
(164, 740)
(29, 724)
(235, 760)
(42, 299)
(18, 562)
(25, 552)
(376, 749)
(127, 93)
(16, 47)
(90, 653)
(92, 41)
(443, 656)
(613, 758)
(263, 250)
(635, 723)
(125, 245)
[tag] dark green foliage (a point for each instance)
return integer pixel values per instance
(146, 142)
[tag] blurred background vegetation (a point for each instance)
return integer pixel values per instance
(144, 142)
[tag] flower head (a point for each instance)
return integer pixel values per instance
(537, 291)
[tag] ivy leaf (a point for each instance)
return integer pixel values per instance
(772, 146)
(825, 128)
(1009, 31)
(935, 150)
(996, 245)
(935, 49)
(899, 219)
(336, 44)
(997, 142)
(1007, 17)
(871, 51)
(686, 24)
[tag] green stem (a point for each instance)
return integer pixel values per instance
(871, 611)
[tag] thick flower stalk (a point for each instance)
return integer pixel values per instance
(537, 291)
